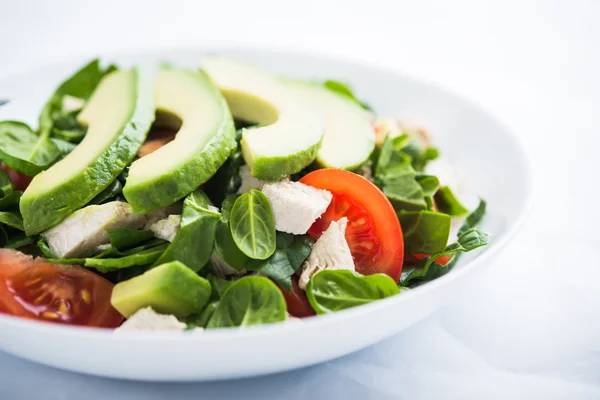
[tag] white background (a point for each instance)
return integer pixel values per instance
(530, 328)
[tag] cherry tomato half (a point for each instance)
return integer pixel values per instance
(66, 294)
(373, 232)
(18, 179)
(413, 258)
(297, 303)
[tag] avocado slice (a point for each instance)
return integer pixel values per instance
(349, 138)
(291, 128)
(170, 288)
(187, 101)
(118, 115)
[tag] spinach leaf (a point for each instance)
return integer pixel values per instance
(253, 225)
(291, 252)
(194, 242)
(334, 290)
(63, 146)
(108, 194)
(225, 246)
(474, 218)
(144, 257)
(123, 238)
(16, 241)
(23, 150)
(226, 180)
(252, 300)
(427, 269)
(218, 286)
(424, 231)
(12, 219)
(448, 203)
(419, 157)
(343, 90)
(201, 320)
(10, 200)
(6, 185)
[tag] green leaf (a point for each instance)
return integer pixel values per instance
(12, 219)
(424, 231)
(253, 225)
(123, 238)
(226, 248)
(291, 252)
(193, 243)
(427, 269)
(227, 206)
(108, 194)
(45, 249)
(218, 286)
(252, 300)
(10, 200)
(343, 90)
(19, 240)
(474, 218)
(201, 320)
(23, 150)
(226, 180)
(63, 146)
(334, 290)
(6, 186)
(448, 203)
(144, 257)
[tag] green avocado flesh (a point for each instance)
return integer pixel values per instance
(170, 288)
(118, 116)
(206, 137)
(349, 138)
(291, 128)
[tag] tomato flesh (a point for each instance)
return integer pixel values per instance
(18, 179)
(373, 232)
(443, 260)
(44, 291)
(296, 301)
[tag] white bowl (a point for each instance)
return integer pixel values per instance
(497, 168)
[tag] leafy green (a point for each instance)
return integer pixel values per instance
(252, 300)
(12, 219)
(291, 252)
(23, 150)
(108, 194)
(123, 238)
(226, 180)
(474, 218)
(334, 290)
(45, 249)
(218, 285)
(427, 269)
(419, 156)
(144, 257)
(63, 146)
(10, 200)
(19, 240)
(448, 203)
(193, 244)
(201, 319)
(424, 231)
(253, 225)
(225, 246)
(343, 90)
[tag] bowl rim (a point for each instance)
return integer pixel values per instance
(319, 321)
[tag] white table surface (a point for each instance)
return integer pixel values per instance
(530, 328)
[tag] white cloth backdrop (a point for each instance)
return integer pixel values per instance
(530, 328)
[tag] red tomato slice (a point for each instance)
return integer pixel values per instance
(373, 232)
(18, 179)
(65, 294)
(297, 303)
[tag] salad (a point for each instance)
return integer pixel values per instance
(175, 199)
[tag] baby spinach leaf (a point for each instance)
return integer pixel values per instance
(225, 246)
(10, 200)
(12, 219)
(23, 150)
(123, 238)
(218, 285)
(334, 290)
(194, 242)
(111, 191)
(63, 146)
(343, 90)
(16, 241)
(226, 180)
(6, 185)
(253, 225)
(252, 300)
(424, 231)
(201, 320)
(448, 203)
(427, 269)
(474, 218)
(143, 257)
(291, 252)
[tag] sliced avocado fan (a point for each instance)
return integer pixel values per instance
(118, 115)
(291, 128)
(189, 102)
(349, 138)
